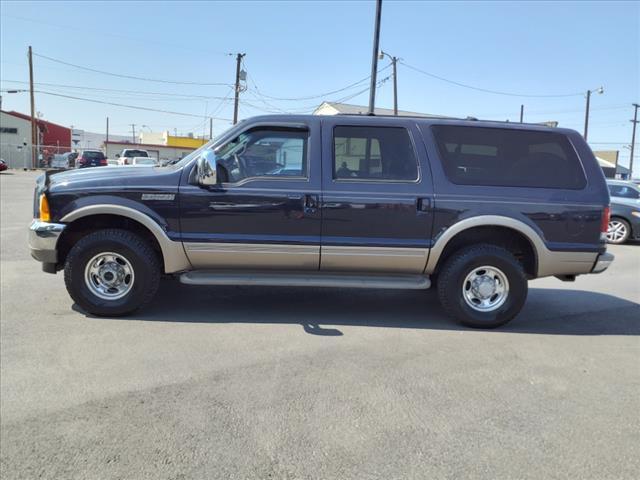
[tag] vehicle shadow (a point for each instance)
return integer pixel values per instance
(547, 311)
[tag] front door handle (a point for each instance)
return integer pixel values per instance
(310, 204)
(424, 204)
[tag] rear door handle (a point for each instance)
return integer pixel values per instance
(310, 204)
(424, 204)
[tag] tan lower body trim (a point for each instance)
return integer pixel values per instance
(373, 259)
(253, 256)
(565, 263)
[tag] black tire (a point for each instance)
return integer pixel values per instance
(144, 262)
(452, 277)
(624, 225)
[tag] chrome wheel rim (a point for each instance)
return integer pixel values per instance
(616, 232)
(485, 289)
(109, 276)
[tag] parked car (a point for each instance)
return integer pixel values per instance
(144, 162)
(3, 165)
(625, 211)
(91, 158)
(63, 160)
(475, 208)
(128, 154)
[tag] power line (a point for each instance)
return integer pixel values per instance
(495, 92)
(552, 112)
(325, 94)
(127, 106)
(82, 87)
(132, 77)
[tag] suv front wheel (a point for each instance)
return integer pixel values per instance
(482, 286)
(112, 272)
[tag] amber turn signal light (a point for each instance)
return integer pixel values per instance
(45, 214)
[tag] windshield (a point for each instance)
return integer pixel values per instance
(93, 155)
(135, 153)
(213, 144)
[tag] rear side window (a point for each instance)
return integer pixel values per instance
(508, 158)
(623, 191)
(373, 153)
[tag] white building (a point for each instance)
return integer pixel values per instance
(15, 140)
(335, 108)
(81, 139)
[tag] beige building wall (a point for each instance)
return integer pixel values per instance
(12, 144)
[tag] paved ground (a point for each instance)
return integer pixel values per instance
(327, 384)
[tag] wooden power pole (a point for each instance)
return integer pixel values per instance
(633, 139)
(34, 128)
(374, 58)
(239, 58)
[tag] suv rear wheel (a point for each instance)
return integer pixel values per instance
(482, 286)
(111, 272)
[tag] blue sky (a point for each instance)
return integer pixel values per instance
(304, 49)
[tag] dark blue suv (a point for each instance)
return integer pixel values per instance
(476, 208)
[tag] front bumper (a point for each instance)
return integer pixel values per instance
(602, 262)
(43, 238)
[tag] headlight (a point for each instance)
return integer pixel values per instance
(44, 213)
(636, 214)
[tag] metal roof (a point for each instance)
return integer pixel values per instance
(351, 109)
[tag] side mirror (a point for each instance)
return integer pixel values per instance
(206, 171)
(117, 155)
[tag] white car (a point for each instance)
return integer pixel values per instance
(128, 154)
(63, 160)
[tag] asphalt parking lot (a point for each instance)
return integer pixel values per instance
(241, 382)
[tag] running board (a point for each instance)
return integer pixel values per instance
(306, 279)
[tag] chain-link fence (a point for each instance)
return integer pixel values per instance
(19, 155)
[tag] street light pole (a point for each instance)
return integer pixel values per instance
(586, 113)
(633, 139)
(374, 59)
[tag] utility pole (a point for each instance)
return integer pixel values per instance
(374, 59)
(133, 132)
(210, 128)
(34, 129)
(239, 58)
(107, 129)
(521, 113)
(633, 139)
(394, 61)
(586, 113)
(395, 86)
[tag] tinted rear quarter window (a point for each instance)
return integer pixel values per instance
(508, 157)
